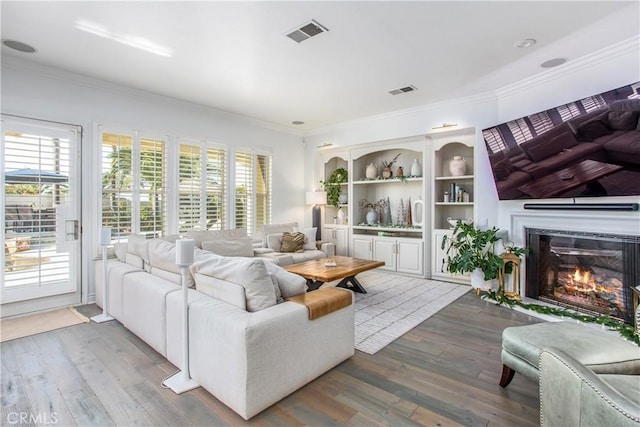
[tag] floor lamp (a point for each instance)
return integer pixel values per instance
(104, 238)
(316, 198)
(181, 381)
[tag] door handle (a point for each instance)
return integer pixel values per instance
(70, 230)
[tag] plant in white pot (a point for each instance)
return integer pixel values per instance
(470, 250)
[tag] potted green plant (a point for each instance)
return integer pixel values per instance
(469, 249)
(332, 185)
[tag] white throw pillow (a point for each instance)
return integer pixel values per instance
(274, 241)
(289, 284)
(250, 273)
(234, 247)
(200, 236)
(162, 256)
(139, 245)
(309, 237)
(275, 229)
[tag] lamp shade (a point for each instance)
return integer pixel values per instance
(104, 238)
(316, 197)
(184, 252)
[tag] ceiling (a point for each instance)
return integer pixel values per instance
(234, 56)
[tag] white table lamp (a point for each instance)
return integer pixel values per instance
(181, 381)
(104, 239)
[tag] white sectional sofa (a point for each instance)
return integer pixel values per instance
(269, 246)
(247, 346)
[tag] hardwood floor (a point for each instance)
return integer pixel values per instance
(445, 372)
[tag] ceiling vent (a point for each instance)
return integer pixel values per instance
(405, 89)
(306, 31)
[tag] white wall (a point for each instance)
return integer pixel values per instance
(38, 92)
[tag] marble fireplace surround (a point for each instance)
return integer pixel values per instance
(621, 223)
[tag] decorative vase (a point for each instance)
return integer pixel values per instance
(343, 199)
(399, 171)
(478, 282)
(416, 169)
(341, 216)
(386, 173)
(457, 166)
(372, 217)
(372, 171)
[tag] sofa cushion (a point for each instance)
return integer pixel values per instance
(623, 120)
(502, 169)
(592, 129)
(289, 284)
(250, 273)
(234, 247)
(200, 236)
(276, 229)
(292, 242)
(139, 245)
(545, 149)
(309, 237)
(162, 256)
(274, 241)
(625, 105)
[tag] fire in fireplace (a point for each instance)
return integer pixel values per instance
(587, 272)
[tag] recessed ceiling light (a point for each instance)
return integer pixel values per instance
(553, 62)
(297, 122)
(19, 46)
(524, 43)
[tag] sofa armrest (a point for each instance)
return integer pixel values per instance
(249, 361)
(572, 394)
(328, 248)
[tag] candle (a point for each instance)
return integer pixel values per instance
(184, 252)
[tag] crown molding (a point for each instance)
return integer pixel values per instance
(602, 56)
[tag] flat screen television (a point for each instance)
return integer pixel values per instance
(586, 148)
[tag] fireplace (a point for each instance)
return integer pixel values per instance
(587, 272)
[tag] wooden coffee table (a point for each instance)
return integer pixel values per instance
(557, 183)
(346, 269)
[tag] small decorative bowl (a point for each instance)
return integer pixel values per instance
(454, 221)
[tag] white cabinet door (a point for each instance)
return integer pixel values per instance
(385, 250)
(341, 240)
(409, 256)
(362, 248)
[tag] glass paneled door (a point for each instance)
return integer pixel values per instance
(40, 177)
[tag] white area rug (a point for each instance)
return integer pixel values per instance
(394, 304)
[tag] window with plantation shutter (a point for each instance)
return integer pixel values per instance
(263, 191)
(133, 172)
(593, 103)
(252, 190)
(152, 182)
(201, 190)
(569, 111)
(244, 208)
(541, 122)
(493, 140)
(520, 130)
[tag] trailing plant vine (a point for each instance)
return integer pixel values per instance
(625, 330)
(332, 185)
